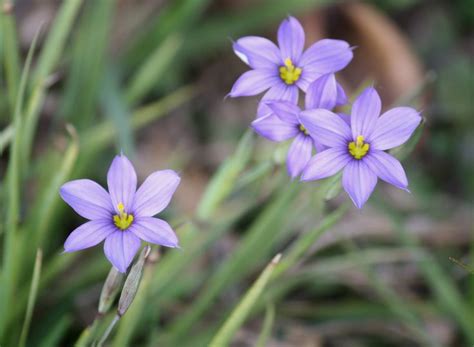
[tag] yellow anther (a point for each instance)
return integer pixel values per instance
(289, 73)
(358, 149)
(303, 129)
(122, 220)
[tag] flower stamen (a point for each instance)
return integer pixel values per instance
(358, 149)
(303, 129)
(122, 220)
(289, 73)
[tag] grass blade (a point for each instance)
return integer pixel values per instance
(48, 199)
(50, 54)
(6, 137)
(117, 111)
(240, 313)
(254, 246)
(86, 70)
(31, 298)
(153, 68)
(267, 326)
(223, 181)
(102, 134)
(14, 173)
(10, 50)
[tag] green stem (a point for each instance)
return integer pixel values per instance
(108, 330)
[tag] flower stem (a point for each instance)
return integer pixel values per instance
(108, 330)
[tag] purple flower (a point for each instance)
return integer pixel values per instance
(283, 122)
(359, 148)
(123, 216)
(286, 68)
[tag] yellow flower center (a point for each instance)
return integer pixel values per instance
(289, 73)
(358, 149)
(123, 219)
(303, 129)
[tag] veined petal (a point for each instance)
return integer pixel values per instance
(299, 154)
(89, 234)
(291, 39)
(326, 163)
(286, 111)
(326, 56)
(387, 168)
(318, 145)
(327, 127)
(394, 127)
(254, 82)
(345, 117)
(120, 248)
(155, 193)
(365, 111)
(273, 128)
(307, 77)
(341, 96)
(257, 52)
(279, 92)
(87, 198)
(155, 231)
(358, 181)
(322, 93)
(122, 182)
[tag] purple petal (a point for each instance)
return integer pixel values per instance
(341, 96)
(326, 127)
(326, 56)
(394, 127)
(87, 198)
(318, 145)
(291, 39)
(365, 111)
(345, 117)
(273, 128)
(358, 181)
(307, 77)
(387, 168)
(299, 154)
(286, 111)
(254, 82)
(258, 52)
(89, 234)
(155, 231)
(155, 193)
(322, 93)
(279, 92)
(325, 164)
(122, 182)
(120, 248)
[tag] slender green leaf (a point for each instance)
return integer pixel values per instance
(50, 54)
(31, 298)
(14, 173)
(256, 243)
(240, 313)
(10, 52)
(224, 179)
(6, 137)
(157, 65)
(87, 64)
(267, 326)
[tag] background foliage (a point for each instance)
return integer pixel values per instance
(82, 80)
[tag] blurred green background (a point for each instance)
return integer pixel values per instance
(149, 78)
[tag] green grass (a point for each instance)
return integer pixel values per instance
(103, 95)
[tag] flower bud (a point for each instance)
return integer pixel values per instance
(132, 282)
(110, 290)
